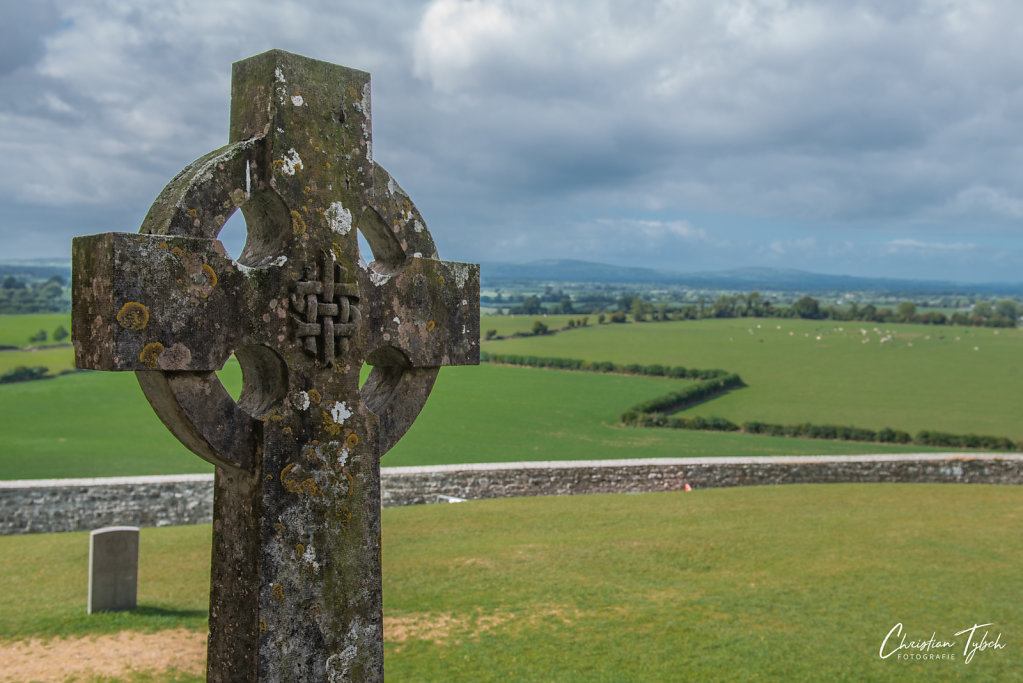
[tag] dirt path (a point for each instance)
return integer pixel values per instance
(118, 654)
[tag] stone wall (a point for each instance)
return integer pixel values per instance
(37, 506)
(45, 505)
(414, 485)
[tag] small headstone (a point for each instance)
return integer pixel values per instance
(113, 568)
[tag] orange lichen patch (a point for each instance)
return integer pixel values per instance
(277, 592)
(307, 486)
(193, 213)
(314, 396)
(342, 514)
(286, 474)
(262, 626)
(133, 316)
(150, 355)
(352, 440)
(177, 252)
(211, 280)
(332, 428)
(163, 245)
(297, 223)
(299, 550)
(430, 325)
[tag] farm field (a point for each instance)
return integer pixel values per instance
(98, 424)
(56, 358)
(507, 325)
(16, 329)
(953, 379)
(705, 585)
(93, 424)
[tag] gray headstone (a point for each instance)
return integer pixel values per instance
(113, 568)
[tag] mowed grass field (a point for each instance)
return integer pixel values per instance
(707, 585)
(952, 379)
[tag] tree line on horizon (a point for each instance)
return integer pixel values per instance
(18, 296)
(1003, 313)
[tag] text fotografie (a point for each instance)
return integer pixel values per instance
(898, 643)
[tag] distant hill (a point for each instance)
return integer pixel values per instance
(744, 279)
(570, 270)
(34, 270)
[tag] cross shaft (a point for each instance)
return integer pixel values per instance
(296, 591)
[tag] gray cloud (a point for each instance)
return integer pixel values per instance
(810, 134)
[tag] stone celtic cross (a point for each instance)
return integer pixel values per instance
(296, 588)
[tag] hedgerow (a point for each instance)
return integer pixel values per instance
(654, 370)
(657, 412)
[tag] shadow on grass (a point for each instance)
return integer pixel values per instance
(153, 611)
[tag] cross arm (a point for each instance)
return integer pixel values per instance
(430, 311)
(156, 302)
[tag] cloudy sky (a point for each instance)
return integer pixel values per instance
(878, 137)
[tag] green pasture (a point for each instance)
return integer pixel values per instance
(92, 424)
(507, 325)
(56, 358)
(952, 379)
(706, 585)
(16, 329)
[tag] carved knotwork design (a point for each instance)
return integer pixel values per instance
(327, 311)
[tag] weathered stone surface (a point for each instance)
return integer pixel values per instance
(417, 485)
(296, 569)
(57, 505)
(113, 569)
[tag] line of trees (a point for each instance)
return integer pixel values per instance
(1003, 313)
(23, 373)
(685, 397)
(652, 370)
(49, 296)
(806, 430)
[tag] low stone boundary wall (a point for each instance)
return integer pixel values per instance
(35, 506)
(40, 506)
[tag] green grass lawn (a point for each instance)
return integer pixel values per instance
(768, 583)
(952, 379)
(502, 414)
(87, 424)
